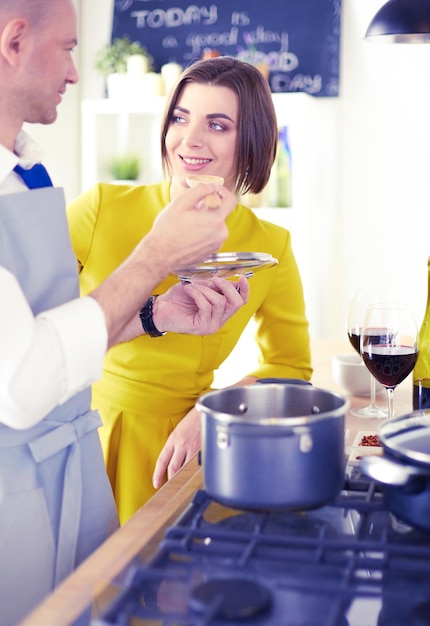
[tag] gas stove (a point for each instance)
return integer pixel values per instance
(349, 563)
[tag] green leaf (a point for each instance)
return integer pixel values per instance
(112, 58)
(125, 167)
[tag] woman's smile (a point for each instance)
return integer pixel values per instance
(202, 136)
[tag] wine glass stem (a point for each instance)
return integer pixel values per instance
(372, 391)
(390, 394)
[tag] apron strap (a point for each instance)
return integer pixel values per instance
(63, 436)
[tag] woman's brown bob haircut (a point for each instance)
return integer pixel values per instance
(257, 130)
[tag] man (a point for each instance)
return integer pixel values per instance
(56, 505)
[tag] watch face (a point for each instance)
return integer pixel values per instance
(227, 265)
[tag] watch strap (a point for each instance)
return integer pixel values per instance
(147, 320)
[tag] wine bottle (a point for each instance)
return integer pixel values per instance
(421, 375)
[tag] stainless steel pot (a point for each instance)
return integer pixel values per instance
(404, 469)
(273, 446)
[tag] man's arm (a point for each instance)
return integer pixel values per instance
(185, 232)
(45, 360)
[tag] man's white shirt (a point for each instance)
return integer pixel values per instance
(44, 360)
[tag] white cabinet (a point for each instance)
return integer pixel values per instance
(111, 128)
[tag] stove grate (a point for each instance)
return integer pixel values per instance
(344, 564)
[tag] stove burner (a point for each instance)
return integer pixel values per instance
(421, 615)
(232, 598)
(303, 524)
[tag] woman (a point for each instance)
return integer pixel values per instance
(219, 120)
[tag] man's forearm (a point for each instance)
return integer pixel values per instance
(125, 291)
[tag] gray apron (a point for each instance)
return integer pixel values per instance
(56, 504)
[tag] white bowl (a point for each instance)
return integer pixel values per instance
(350, 373)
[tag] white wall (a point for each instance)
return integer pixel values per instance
(368, 217)
(385, 161)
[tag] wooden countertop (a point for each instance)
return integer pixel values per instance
(92, 580)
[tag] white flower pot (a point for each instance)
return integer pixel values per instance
(117, 86)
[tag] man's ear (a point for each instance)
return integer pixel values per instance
(12, 40)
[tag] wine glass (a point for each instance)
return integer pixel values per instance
(389, 345)
(361, 299)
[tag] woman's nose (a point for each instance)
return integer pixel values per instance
(192, 137)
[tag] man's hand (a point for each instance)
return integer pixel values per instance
(199, 308)
(187, 231)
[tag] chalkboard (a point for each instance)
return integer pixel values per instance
(298, 39)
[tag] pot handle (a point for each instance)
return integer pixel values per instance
(286, 381)
(389, 472)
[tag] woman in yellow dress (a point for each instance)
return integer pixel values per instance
(219, 120)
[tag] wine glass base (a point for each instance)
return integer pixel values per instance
(370, 412)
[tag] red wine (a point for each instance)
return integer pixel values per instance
(355, 340)
(390, 365)
(421, 394)
(375, 335)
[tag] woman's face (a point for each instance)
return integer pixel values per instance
(202, 136)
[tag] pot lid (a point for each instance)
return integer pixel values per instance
(408, 435)
(227, 264)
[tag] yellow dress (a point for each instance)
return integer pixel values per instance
(149, 384)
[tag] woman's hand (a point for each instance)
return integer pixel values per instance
(180, 447)
(183, 442)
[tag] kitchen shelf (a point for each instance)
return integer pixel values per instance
(113, 127)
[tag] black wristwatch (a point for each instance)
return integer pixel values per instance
(147, 321)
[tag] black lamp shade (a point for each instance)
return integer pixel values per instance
(401, 21)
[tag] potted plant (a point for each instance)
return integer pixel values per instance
(114, 60)
(125, 167)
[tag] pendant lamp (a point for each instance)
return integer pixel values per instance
(401, 21)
